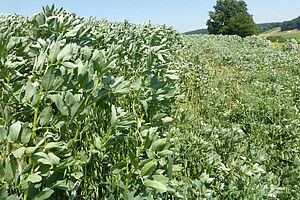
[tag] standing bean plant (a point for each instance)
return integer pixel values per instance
(86, 108)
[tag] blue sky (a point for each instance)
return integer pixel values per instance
(182, 15)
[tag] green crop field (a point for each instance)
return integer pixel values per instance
(276, 32)
(92, 109)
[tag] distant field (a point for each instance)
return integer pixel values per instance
(271, 32)
(284, 34)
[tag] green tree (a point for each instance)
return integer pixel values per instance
(231, 17)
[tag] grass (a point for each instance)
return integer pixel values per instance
(270, 32)
(292, 35)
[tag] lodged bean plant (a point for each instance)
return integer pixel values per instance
(239, 138)
(86, 107)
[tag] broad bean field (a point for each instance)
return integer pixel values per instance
(92, 109)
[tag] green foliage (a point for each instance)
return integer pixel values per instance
(241, 24)
(230, 17)
(279, 39)
(86, 107)
(240, 139)
(290, 25)
(263, 27)
(98, 110)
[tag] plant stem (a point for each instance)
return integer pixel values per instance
(36, 113)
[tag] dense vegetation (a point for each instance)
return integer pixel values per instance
(99, 110)
(241, 140)
(231, 17)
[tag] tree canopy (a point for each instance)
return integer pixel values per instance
(231, 17)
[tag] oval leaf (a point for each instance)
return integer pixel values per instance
(14, 131)
(34, 178)
(149, 168)
(158, 186)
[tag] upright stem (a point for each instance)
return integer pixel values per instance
(34, 128)
(36, 114)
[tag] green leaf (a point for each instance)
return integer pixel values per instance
(64, 52)
(19, 152)
(3, 134)
(34, 178)
(165, 153)
(158, 186)
(77, 108)
(12, 42)
(136, 85)
(30, 150)
(145, 105)
(26, 134)
(45, 161)
(13, 197)
(74, 31)
(30, 90)
(2, 173)
(82, 69)
(45, 116)
(14, 131)
(161, 58)
(122, 88)
(3, 192)
(95, 55)
(117, 168)
(62, 184)
(45, 194)
(77, 175)
(54, 52)
(53, 158)
(10, 169)
(48, 79)
(113, 115)
(150, 154)
(166, 120)
(69, 65)
(40, 61)
(149, 167)
(172, 76)
(58, 100)
(40, 19)
(177, 168)
(54, 145)
(159, 144)
(162, 179)
(69, 99)
(170, 167)
(204, 177)
(133, 159)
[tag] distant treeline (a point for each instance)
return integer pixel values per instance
(285, 26)
(290, 25)
(202, 31)
(268, 26)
